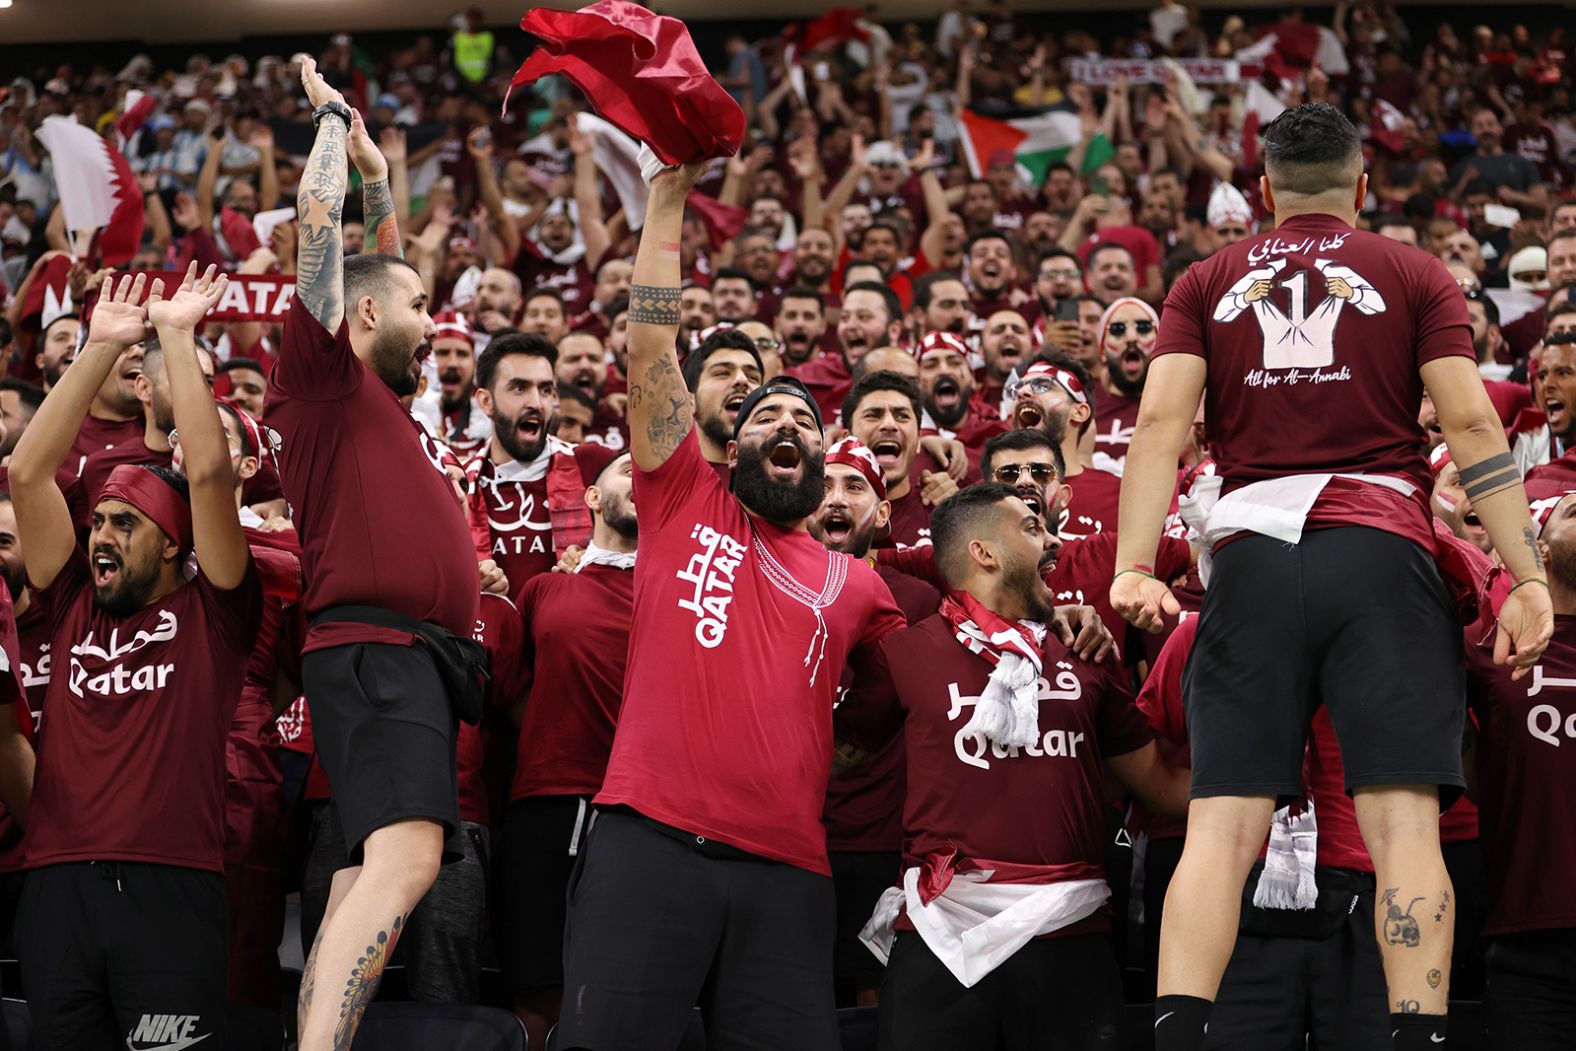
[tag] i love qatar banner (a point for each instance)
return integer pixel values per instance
(250, 297)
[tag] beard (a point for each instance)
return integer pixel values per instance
(797, 348)
(1024, 580)
(1114, 368)
(451, 377)
(779, 502)
(15, 575)
(132, 588)
(163, 418)
(716, 428)
(619, 514)
(519, 447)
(395, 363)
(855, 538)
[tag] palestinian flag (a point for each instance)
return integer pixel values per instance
(1034, 142)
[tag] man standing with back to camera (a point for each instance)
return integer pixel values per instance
(1312, 347)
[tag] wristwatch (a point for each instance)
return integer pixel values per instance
(331, 108)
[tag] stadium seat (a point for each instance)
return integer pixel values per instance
(439, 1027)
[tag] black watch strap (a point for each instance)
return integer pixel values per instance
(331, 108)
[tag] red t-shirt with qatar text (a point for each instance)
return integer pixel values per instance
(1042, 805)
(576, 645)
(1093, 508)
(1314, 335)
(726, 727)
(131, 754)
(378, 518)
(1526, 779)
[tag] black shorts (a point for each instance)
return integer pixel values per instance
(385, 732)
(661, 921)
(124, 955)
(1530, 1004)
(859, 878)
(1355, 619)
(537, 849)
(1054, 994)
(1296, 974)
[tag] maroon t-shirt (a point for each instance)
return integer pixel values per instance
(131, 759)
(1526, 779)
(502, 634)
(134, 450)
(1044, 805)
(1085, 568)
(573, 281)
(756, 622)
(826, 376)
(864, 807)
(13, 692)
(378, 519)
(33, 633)
(1306, 381)
(96, 435)
(910, 524)
(508, 504)
(1115, 416)
(576, 644)
(1093, 508)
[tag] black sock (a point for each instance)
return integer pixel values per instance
(1417, 1032)
(1180, 1023)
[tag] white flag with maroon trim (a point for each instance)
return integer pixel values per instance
(98, 190)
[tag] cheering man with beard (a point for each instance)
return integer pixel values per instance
(801, 323)
(1128, 330)
(705, 878)
(451, 410)
(1056, 397)
(947, 383)
(388, 561)
(506, 487)
(720, 374)
(882, 410)
(577, 636)
(152, 446)
(1005, 345)
(998, 936)
(123, 912)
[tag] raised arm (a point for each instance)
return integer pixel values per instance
(217, 539)
(391, 143)
(208, 177)
(588, 200)
(262, 140)
(661, 413)
(320, 203)
(43, 521)
(377, 199)
(479, 143)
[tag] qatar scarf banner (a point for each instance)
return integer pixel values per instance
(250, 297)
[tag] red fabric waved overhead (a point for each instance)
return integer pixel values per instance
(641, 72)
(722, 221)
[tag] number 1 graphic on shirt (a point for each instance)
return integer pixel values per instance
(1295, 339)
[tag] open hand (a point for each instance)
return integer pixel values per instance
(362, 150)
(119, 319)
(184, 310)
(391, 141)
(317, 89)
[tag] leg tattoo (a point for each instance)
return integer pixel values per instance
(363, 984)
(308, 980)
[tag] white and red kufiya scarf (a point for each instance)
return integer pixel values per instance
(1008, 709)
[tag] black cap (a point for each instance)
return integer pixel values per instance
(778, 385)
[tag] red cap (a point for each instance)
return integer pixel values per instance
(592, 458)
(939, 340)
(453, 326)
(852, 452)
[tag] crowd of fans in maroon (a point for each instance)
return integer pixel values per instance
(961, 318)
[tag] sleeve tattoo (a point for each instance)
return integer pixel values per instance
(382, 230)
(659, 394)
(320, 203)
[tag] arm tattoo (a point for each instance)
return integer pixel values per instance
(320, 203)
(1531, 541)
(653, 305)
(363, 983)
(382, 230)
(1489, 476)
(660, 398)
(1489, 485)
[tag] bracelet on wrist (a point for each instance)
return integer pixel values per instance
(1140, 572)
(1524, 583)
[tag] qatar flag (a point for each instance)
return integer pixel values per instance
(98, 190)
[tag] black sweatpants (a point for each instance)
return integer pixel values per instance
(124, 955)
(1531, 999)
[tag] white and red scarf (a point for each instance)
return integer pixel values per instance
(1008, 710)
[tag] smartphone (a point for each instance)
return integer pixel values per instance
(1067, 310)
(1099, 186)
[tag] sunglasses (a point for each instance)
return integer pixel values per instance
(1119, 328)
(766, 344)
(1009, 473)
